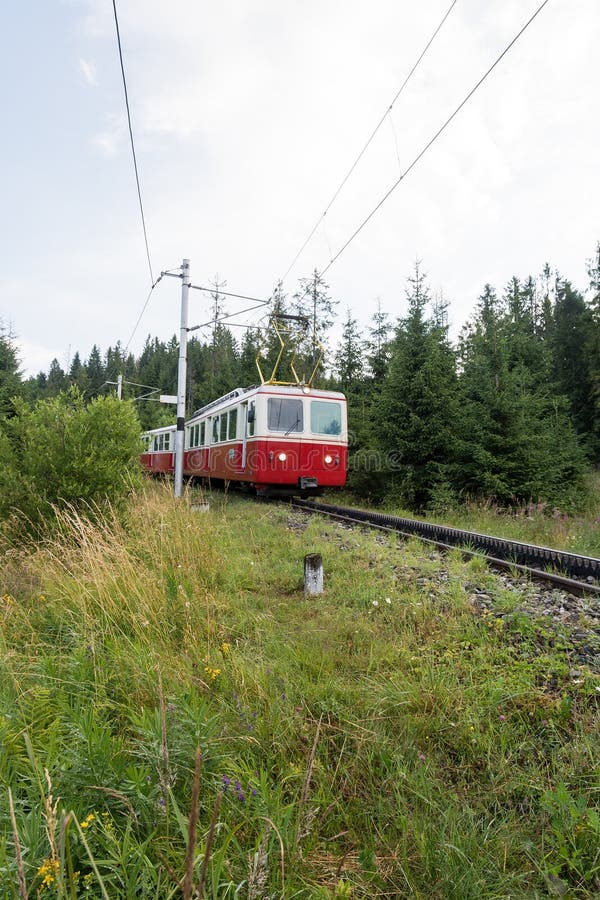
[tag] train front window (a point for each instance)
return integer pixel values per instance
(285, 415)
(325, 417)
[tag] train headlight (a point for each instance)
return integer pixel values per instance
(328, 459)
(282, 457)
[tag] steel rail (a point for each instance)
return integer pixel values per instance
(528, 559)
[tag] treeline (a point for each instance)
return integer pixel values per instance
(510, 412)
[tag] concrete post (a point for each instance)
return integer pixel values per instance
(313, 575)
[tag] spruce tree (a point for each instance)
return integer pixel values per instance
(10, 376)
(593, 351)
(312, 300)
(378, 344)
(573, 324)
(57, 380)
(417, 415)
(349, 356)
(517, 441)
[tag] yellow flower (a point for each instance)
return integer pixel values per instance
(212, 673)
(225, 648)
(87, 821)
(48, 871)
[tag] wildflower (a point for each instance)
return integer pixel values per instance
(87, 821)
(226, 782)
(161, 801)
(225, 648)
(375, 602)
(212, 673)
(254, 792)
(48, 872)
(388, 600)
(422, 757)
(502, 718)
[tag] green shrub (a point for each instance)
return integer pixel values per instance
(63, 452)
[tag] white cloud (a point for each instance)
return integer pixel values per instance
(108, 142)
(89, 71)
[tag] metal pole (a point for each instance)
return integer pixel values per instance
(181, 378)
(119, 387)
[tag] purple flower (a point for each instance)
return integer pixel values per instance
(161, 801)
(422, 757)
(240, 796)
(254, 792)
(226, 782)
(502, 718)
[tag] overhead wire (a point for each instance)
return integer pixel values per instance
(135, 165)
(139, 318)
(434, 138)
(195, 287)
(369, 140)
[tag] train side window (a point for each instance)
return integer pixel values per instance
(325, 417)
(154, 444)
(223, 427)
(232, 433)
(285, 415)
(215, 430)
(251, 418)
(202, 433)
(168, 440)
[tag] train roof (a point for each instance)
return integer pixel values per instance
(161, 430)
(285, 389)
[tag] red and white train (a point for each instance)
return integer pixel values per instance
(277, 439)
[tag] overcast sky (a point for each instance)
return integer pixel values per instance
(247, 116)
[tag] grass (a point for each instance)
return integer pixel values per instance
(382, 740)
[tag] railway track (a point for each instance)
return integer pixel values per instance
(577, 574)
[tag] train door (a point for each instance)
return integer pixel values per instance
(248, 418)
(209, 441)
